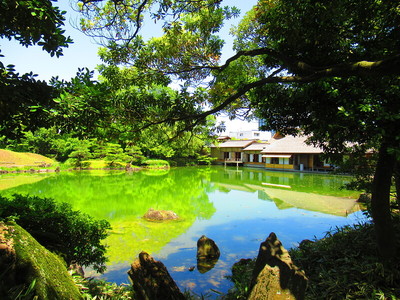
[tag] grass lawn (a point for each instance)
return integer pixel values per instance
(10, 159)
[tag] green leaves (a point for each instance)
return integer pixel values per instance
(34, 22)
(76, 236)
(333, 266)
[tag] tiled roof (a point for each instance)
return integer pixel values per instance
(235, 144)
(256, 147)
(221, 138)
(290, 144)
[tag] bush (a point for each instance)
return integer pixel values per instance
(156, 163)
(346, 265)
(74, 235)
(92, 288)
(205, 159)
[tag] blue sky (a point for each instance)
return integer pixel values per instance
(83, 52)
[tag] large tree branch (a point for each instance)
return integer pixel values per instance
(382, 67)
(386, 66)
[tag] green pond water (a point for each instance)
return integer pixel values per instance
(237, 208)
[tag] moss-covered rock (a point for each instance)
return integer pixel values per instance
(28, 267)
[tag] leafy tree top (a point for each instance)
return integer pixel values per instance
(279, 41)
(34, 22)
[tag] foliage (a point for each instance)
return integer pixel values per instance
(92, 288)
(205, 159)
(344, 265)
(80, 153)
(34, 22)
(119, 22)
(115, 154)
(23, 292)
(135, 154)
(40, 141)
(156, 163)
(242, 274)
(83, 106)
(75, 235)
(24, 102)
(49, 142)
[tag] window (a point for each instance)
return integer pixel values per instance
(255, 158)
(238, 156)
(226, 155)
(256, 134)
(275, 160)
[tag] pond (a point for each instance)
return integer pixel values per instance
(237, 208)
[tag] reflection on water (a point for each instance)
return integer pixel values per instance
(236, 208)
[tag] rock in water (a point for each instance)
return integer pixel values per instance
(151, 280)
(160, 215)
(207, 254)
(275, 276)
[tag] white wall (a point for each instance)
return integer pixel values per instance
(251, 135)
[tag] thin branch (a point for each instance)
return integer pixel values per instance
(138, 26)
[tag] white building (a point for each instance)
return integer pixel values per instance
(251, 135)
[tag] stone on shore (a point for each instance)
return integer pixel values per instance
(274, 275)
(152, 281)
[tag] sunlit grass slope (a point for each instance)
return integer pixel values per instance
(16, 159)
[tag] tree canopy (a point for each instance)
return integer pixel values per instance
(34, 22)
(278, 41)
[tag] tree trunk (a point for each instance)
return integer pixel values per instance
(380, 203)
(397, 182)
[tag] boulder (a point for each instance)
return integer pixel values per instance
(364, 198)
(207, 254)
(151, 280)
(160, 215)
(25, 264)
(274, 275)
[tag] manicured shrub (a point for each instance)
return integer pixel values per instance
(72, 234)
(80, 153)
(115, 155)
(156, 163)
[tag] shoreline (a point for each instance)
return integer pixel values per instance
(57, 170)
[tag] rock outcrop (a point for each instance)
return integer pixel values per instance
(207, 254)
(25, 263)
(364, 198)
(274, 275)
(151, 280)
(160, 215)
